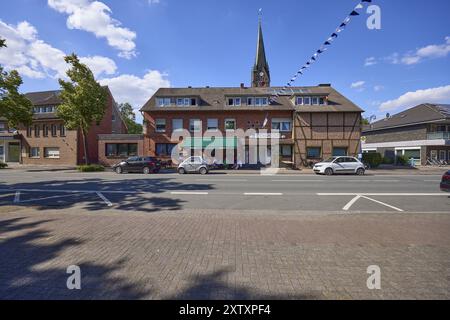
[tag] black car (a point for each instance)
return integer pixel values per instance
(138, 164)
(445, 183)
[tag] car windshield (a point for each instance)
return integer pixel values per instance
(330, 159)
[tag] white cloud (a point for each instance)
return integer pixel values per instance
(37, 59)
(370, 61)
(378, 88)
(359, 85)
(429, 52)
(136, 90)
(150, 2)
(411, 99)
(95, 17)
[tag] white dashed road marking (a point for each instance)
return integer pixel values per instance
(17, 197)
(262, 194)
(188, 193)
(108, 203)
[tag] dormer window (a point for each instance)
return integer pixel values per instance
(186, 102)
(307, 101)
(163, 102)
(236, 102)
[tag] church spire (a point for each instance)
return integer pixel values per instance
(260, 72)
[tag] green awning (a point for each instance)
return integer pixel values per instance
(213, 143)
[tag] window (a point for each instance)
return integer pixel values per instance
(162, 102)
(195, 125)
(321, 101)
(286, 150)
(261, 101)
(230, 124)
(234, 102)
(34, 152)
(44, 109)
(62, 130)
(250, 101)
(315, 101)
(2, 151)
(339, 152)
(37, 130)
(51, 153)
(123, 150)
(313, 152)
(164, 149)
(186, 102)
(306, 100)
(29, 131)
(54, 128)
(113, 117)
(2, 127)
(281, 124)
(45, 130)
(177, 124)
(160, 125)
(299, 101)
(213, 124)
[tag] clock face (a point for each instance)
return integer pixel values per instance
(261, 74)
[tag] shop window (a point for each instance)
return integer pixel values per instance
(313, 152)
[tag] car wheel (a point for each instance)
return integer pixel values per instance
(146, 170)
(203, 171)
(360, 172)
(119, 170)
(329, 172)
(181, 171)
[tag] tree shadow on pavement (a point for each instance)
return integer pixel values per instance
(213, 286)
(32, 267)
(144, 195)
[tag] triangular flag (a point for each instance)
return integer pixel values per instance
(327, 43)
(359, 6)
(354, 13)
(334, 35)
(342, 25)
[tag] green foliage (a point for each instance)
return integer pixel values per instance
(387, 160)
(365, 121)
(15, 107)
(128, 115)
(91, 168)
(373, 159)
(84, 99)
(402, 160)
(3, 165)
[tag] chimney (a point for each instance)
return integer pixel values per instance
(242, 86)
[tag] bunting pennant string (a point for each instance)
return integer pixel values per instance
(322, 48)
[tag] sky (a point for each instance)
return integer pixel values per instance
(138, 46)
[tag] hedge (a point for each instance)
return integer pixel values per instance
(3, 165)
(91, 168)
(373, 159)
(402, 160)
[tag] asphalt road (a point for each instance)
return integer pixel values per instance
(150, 193)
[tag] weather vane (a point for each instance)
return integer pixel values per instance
(260, 13)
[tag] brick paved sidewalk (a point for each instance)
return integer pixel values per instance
(217, 255)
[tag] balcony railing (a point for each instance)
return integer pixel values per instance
(438, 136)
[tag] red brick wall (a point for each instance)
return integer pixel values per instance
(242, 118)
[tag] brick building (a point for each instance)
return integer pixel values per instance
(48, 142)
(313, 122)
(421, 133)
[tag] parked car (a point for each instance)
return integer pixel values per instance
(193, 165)
(445, 183)
(138, 164)
(336, 165)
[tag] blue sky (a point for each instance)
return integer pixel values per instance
(136, 46)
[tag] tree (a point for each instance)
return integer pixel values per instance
(128, 115)
(365, 121)
(15, 107)
(83, 100)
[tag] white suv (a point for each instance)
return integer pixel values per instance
(336, 165)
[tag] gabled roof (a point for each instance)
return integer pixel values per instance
(43, 98)
(214, 99)
(423, 113)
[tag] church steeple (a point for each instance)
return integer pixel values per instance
(260, 72)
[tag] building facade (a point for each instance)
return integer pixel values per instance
(48, 142)
(312, 123)
(421, 133)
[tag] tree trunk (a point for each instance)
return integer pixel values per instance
(85, 147)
